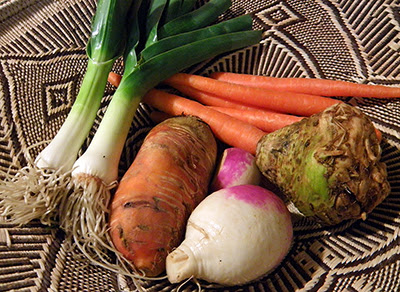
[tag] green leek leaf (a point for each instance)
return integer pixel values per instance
(107, 38)
(240, 23)
(177, 8)
(154, 15)
(133, 38)
(156, 69)
(201, 17)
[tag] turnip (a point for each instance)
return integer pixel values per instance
(237, 167)
(234, 236)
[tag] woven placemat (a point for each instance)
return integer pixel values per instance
(42, 62)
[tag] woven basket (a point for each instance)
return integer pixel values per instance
(42, 62)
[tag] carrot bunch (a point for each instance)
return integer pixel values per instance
(300, 104)
(228, 129)
(268, 103)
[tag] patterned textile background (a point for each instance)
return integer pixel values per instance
(42, 62)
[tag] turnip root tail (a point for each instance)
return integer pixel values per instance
(181, 264)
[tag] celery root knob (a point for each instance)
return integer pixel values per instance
(328, 165)
(180, 264)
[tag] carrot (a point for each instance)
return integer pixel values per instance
(262, 119)
(167, 180)
(227, 129)
(114, 78)
(293, 103)
(210, 99)
(324, 87)
(158, 117)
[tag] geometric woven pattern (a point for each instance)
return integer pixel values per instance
(57, 97)
(42, 63)
(28, 77)
(278, 14)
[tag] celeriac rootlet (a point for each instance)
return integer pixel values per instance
(148, 59)
(35, 190)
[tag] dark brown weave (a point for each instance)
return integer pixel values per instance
(42, 62)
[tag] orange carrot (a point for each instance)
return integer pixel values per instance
(210, 99)
(227, 129)
(167, 180)
(158, 117)
(324, 87)
(292, 103)
(114, 78)
(262, 119)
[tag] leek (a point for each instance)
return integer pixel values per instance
(35, 191)
(84, 212)
(195, 19)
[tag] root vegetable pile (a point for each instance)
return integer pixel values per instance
(327, 164)
(323, 154)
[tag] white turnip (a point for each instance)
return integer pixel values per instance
(237, 167)
(234, 236)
